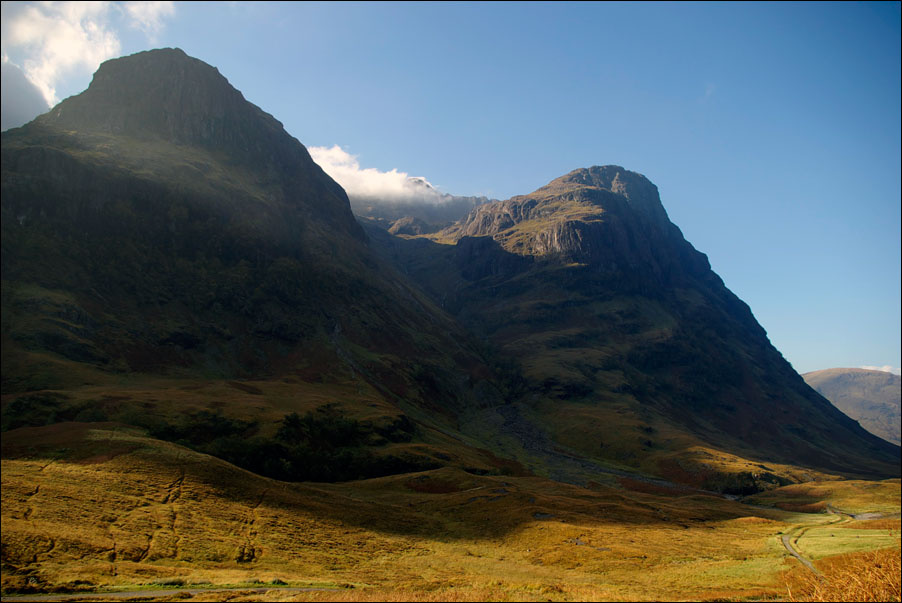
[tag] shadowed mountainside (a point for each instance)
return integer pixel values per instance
(616, 319)
(158, 226)
(415, 216)
(870, 397)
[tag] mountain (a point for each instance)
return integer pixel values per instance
(870, 397)
(615, 319)
(165, 241)
(173, 260)
(213, 373)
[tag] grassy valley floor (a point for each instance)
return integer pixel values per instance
(90, 506)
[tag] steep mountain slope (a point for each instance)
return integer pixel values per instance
(873, 398)
(159, 227)
(633, 350)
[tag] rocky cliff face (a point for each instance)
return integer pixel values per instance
(592, 191)
(606, 217)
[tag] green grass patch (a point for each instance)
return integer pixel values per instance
(826, 541)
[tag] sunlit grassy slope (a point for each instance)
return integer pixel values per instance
(849, 496)
(101, 505)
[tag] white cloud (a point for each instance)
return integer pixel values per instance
(886, 369)
(56, 39)
(370, 183)
(149, 16)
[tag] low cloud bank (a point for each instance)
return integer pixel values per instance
(886, 369)
(373, 184)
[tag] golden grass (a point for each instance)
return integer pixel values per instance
(850, 496)
(864, 576)
(118, 509)
(890, 525)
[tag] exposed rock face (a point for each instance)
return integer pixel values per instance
(609, 188)
(409, 225)
(606, 217)
(639, 192)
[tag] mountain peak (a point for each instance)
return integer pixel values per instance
(166, 94)
(639, 191)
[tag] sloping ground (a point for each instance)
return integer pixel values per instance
(158, 226)
(299, 427)
(93, 505)
(873, 398)
(633, 352)
(849, 496)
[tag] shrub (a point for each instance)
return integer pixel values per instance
(870, 576)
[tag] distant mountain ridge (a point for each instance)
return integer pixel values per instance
(873, 398)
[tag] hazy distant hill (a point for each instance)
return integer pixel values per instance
(872, 398)
(416, 216)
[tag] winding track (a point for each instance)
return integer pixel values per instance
(842, 517)
(788, 545)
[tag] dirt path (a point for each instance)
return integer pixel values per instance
(798, 531)
(841, 517)
(786, 538)
(149, 594)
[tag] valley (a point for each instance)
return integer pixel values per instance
(173, 516)
(220, 383)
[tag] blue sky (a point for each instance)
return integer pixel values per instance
(771, 130)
